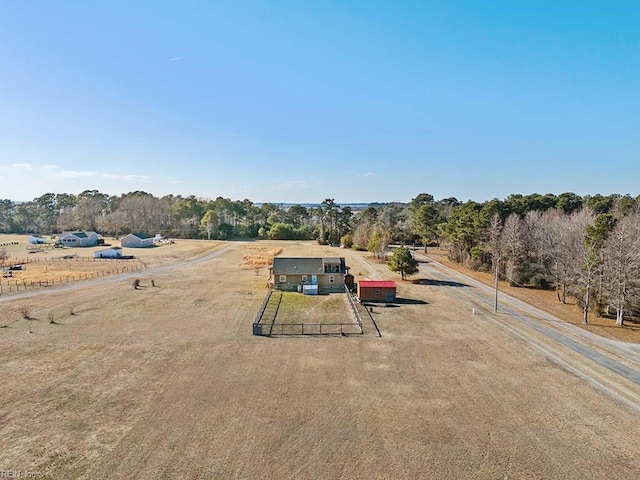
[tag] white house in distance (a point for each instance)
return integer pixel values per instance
(113, 252)
(36, 239)
(78, 239)
(137, 240)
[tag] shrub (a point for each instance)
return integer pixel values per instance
(25, 311)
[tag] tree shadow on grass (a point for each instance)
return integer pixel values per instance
(438, 283)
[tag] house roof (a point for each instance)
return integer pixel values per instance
(377, 283)
(292, 266)
(77, 233)
(142, 236)
(332, 260)
(303, 265)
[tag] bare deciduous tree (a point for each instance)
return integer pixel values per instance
(621, 265)
(595, 232)
(3, 255)
(512, 236)
(495, 243)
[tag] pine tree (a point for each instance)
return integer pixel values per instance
(401, 261)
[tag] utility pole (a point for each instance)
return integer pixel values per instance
(495, 307)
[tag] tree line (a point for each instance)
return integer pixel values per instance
(586, 247)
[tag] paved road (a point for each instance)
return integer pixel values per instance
(119, 277)
(568, 345)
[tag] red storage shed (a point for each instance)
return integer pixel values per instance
(377, 290)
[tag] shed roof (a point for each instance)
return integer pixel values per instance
(110, 248)
(377, 283)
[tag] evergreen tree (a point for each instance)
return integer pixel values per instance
(401, 261)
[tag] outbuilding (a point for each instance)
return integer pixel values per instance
(36, 239)
(78, 239)
(113, 252)
(137, 240)
(377, 290)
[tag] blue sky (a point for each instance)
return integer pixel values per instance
(300, 101)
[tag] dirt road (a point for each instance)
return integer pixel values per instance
(524, 321)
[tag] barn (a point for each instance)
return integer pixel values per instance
(113, 252)
(377, 290)
(137, 240)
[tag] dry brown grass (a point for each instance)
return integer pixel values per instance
(168, 382)
(547, 301)
(261, 256)
(48, 268)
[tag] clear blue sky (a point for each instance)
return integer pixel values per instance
(299, 101)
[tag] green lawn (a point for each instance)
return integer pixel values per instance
(297, 308)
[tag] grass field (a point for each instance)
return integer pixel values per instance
(168, 382)
(49, 267)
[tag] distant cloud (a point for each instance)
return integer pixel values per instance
(290, 184)
(53, 171)
(28, 166)
(24, 166)
(96, 174)
(175, 59)
(365, 175)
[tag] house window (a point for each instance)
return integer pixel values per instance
(304, 278)
(282, 279)
(332, 278)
